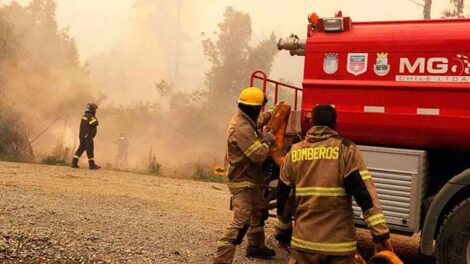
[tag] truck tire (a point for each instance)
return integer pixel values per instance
(453, 240)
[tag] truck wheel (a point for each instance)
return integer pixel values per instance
(453, 240)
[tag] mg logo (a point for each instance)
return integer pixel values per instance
(424, 65)
(438, 69)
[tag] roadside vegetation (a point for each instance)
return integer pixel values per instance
(45, 85)
(205, 174)
(44, 72)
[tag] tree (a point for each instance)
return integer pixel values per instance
(42, 77)
(43, 13)
(427, 9)
(14, 144)
(233, 59)
(8, 40)
(154, 16)
(426, 5)
(456, 11)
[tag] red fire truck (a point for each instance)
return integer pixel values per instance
(402, 92)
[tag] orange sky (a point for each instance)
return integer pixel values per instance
(97, 24)
(101, 25)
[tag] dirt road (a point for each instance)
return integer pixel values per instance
(59, 215)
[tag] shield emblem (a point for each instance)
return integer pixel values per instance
(381, 67)
(330, 63)
(357, 63)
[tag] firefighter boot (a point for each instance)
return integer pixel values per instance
(92, 165)
(75, 162)
(260, 252)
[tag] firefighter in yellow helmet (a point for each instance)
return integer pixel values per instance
(326, 171)
(246, 149)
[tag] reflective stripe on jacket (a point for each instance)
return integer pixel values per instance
(88, 125)
(317, 168)
(245, 151)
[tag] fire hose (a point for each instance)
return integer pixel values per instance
(278, 125)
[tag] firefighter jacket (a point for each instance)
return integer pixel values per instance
(245, 151)
(88, 125)
(327, 171)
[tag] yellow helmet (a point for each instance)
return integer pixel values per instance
(252, 96)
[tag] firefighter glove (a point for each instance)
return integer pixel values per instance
(269, 137)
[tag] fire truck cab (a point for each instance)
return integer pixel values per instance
(402, 92)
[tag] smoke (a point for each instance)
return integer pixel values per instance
(155, 48)
(129, 53)
(42, 79)
(158, 99)
(162, 41)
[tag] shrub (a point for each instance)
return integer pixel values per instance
(14, 143)
(204, 174)
(154, 168)
(59, 154)
(54, 159)
(6, 157)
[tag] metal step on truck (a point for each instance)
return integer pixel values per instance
(402, 92)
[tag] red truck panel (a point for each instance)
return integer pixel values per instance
(403, 84)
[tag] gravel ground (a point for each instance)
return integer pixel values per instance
(52, 214)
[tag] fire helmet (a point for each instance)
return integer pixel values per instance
(91, 107)
(252, 96)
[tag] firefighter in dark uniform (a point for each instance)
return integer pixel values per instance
(325, 172)
(88, 129)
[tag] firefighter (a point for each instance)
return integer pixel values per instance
(246, 149)
(88, 129)
(122, 144)
(325, 171)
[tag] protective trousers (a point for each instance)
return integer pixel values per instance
(249, 214)
(301, 257)
(86, 144)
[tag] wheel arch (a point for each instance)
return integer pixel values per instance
(454, 191)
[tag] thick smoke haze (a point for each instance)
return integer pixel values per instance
(128, 48)
(102, 27)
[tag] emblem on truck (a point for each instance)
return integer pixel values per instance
(330, 63)
(381, 67)
(435, 69)
(357, 63)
